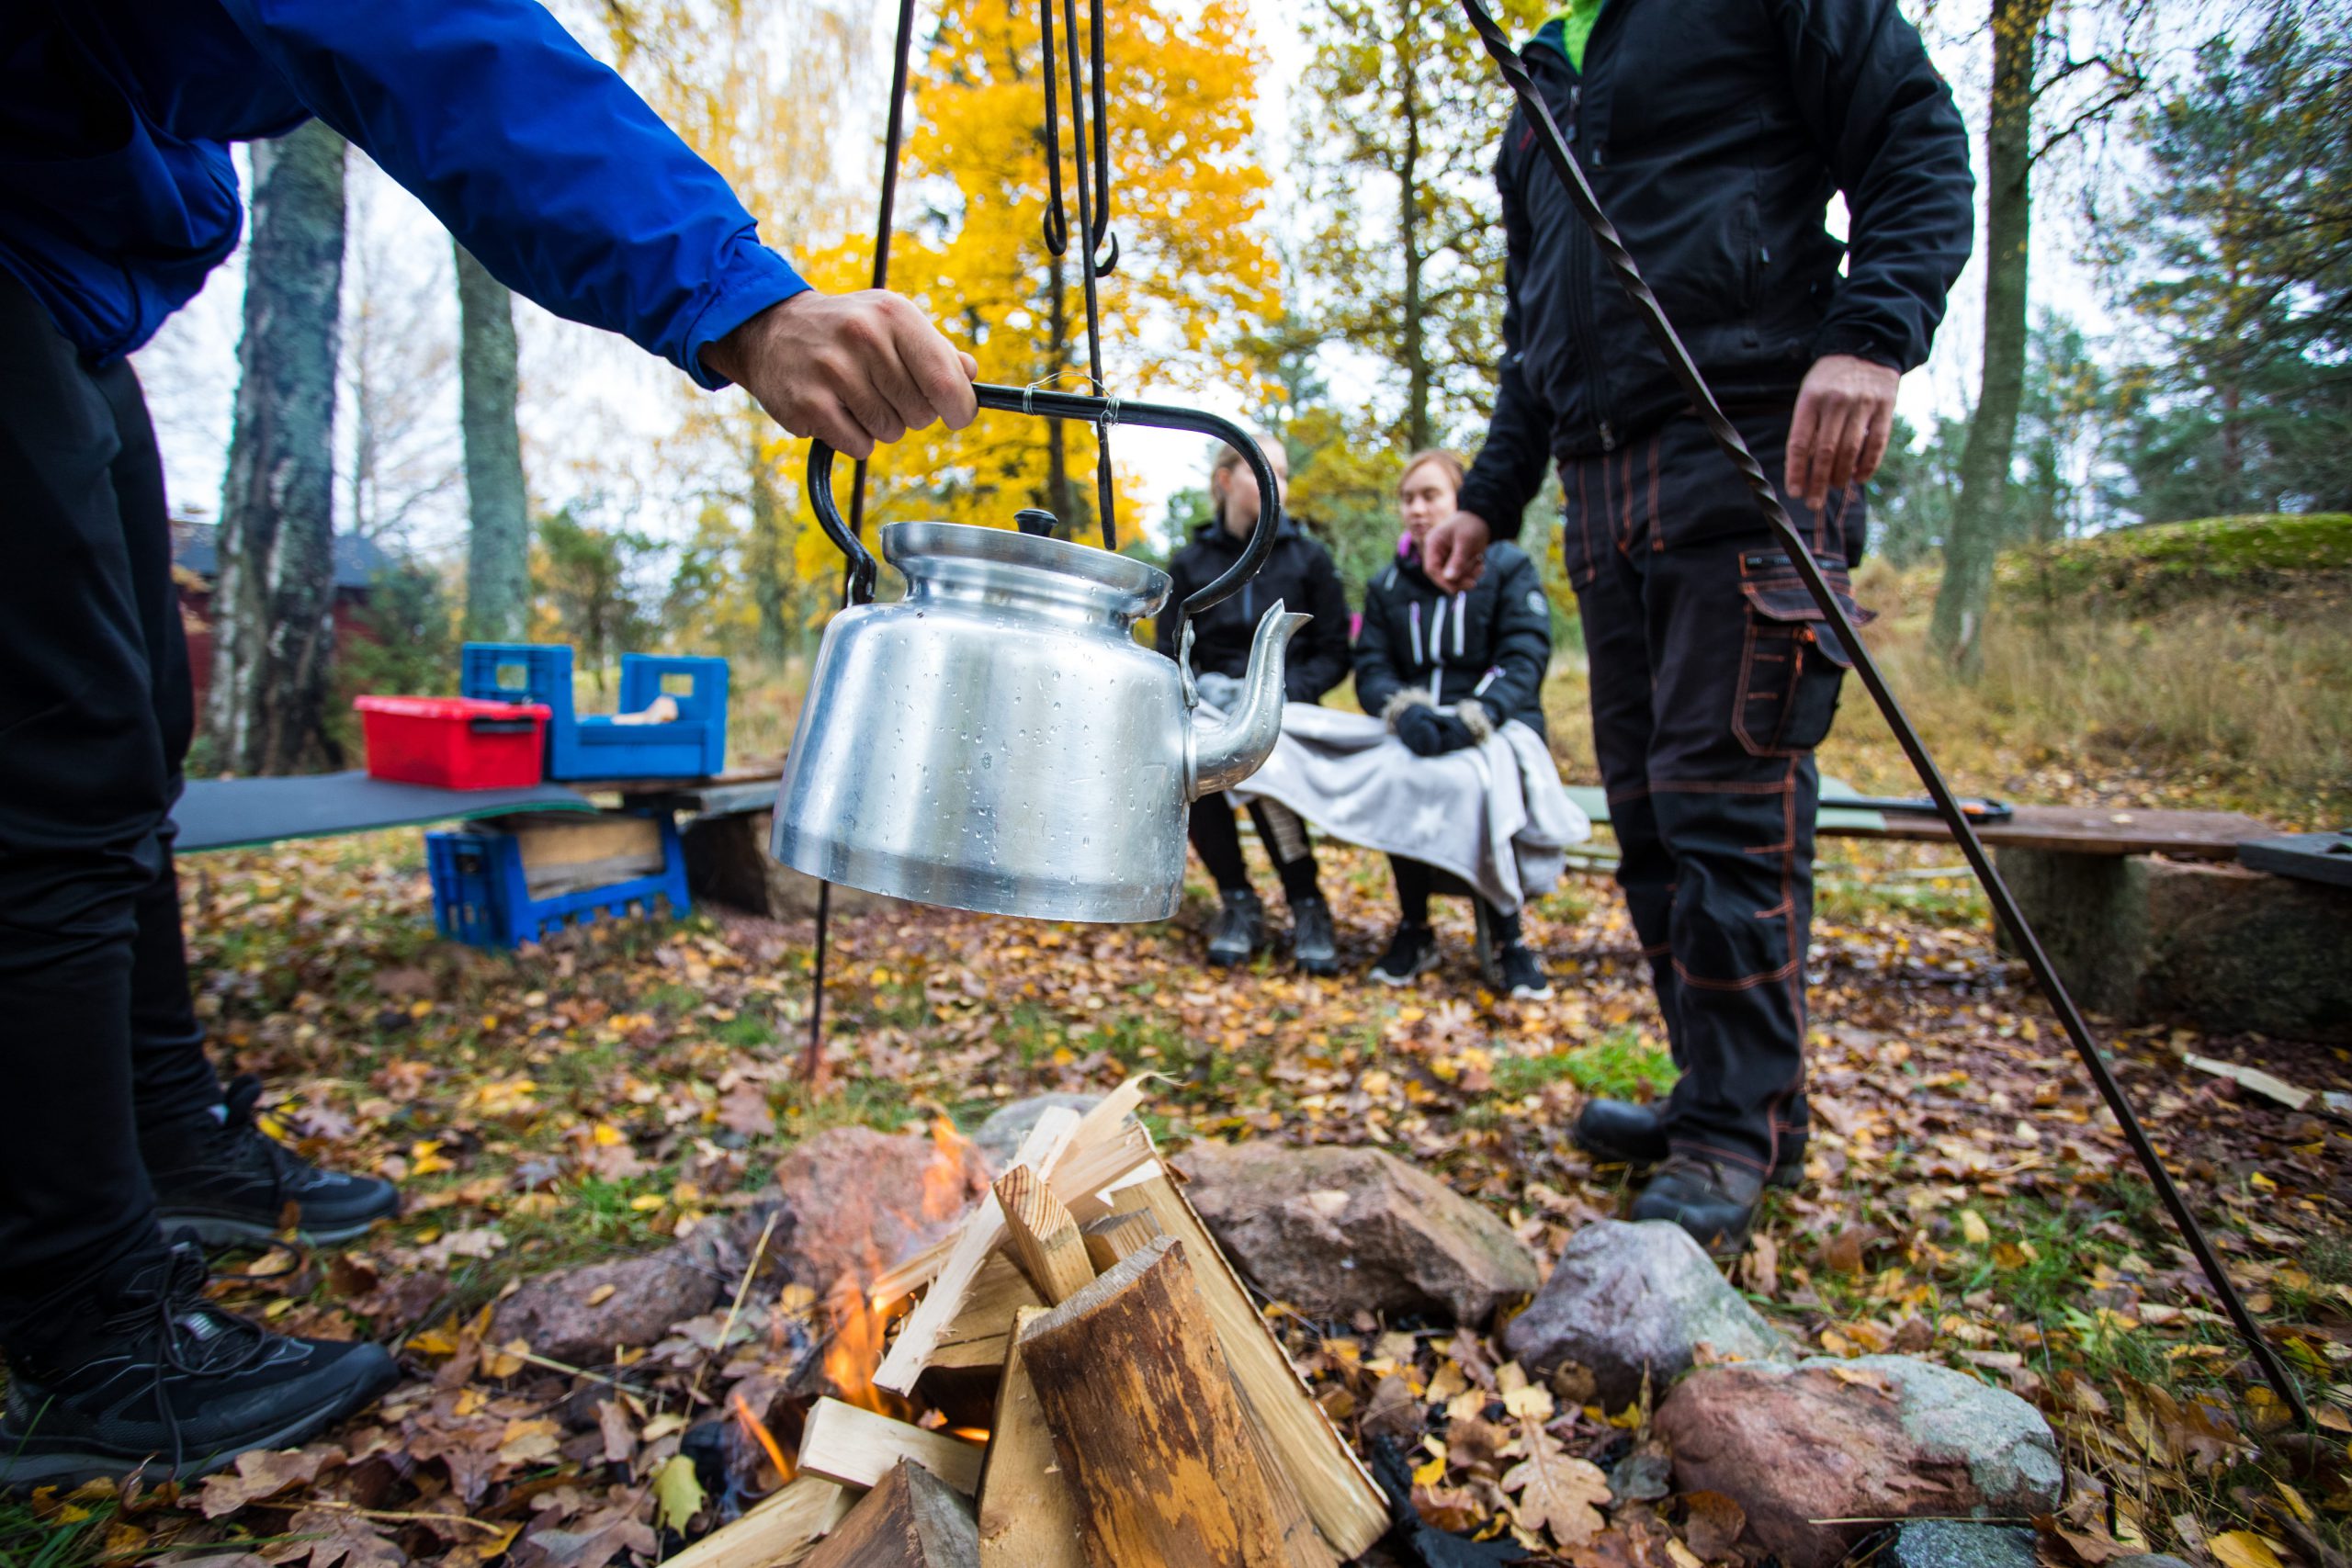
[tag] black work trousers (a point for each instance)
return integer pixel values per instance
(1217, 839)
(97, 1038)
(1712, 680)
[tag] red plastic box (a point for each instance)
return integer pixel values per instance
(455, 743)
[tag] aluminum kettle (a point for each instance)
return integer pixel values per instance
(997, 739)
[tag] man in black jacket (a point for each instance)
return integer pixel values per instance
(1299, 573)
(1713, 132)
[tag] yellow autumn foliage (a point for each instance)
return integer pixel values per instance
(1195, 274)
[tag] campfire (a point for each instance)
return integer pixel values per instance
(1138, 1411)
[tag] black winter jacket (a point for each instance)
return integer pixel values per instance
(1491, 643)
(1713, 132)
(1298, 571)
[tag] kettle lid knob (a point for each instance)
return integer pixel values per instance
(1037, 521)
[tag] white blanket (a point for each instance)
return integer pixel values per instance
(1494, 815)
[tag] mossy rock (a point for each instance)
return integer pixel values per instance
(2170, 563)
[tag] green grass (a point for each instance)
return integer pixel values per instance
(72, 1535)
(1620, 1066)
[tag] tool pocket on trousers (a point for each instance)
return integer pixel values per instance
(1792, 665)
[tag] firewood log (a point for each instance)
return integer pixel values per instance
(912, 1521)
(1167, 1467)
(1029, 1518)
(1114, 1235)
(1338, 1492)
(1041, 1235)
(858, 1447)
(779, 1531)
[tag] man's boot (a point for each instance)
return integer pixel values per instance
(229, 1181)
(1714, 1200)
(1239, 931)
(1617, 1131)
(1312, 941)
(146, 1369)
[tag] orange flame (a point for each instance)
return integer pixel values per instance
(944, 1194)
(855, 1350)
(758, 1431)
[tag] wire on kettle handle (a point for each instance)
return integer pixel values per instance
(829, 518)
(1046, 404)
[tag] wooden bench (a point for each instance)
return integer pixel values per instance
(2148, 914)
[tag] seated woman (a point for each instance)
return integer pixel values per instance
(1446, 670)
(1298, 572)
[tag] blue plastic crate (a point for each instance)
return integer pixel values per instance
(591, 746)
(480, 896)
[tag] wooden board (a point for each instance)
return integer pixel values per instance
(1165, 1465)
(979, 1236)
(564, 851)
(1028, 1517)
(858, 1447)
(980, 1333)
(2098, 830)
(910, 1520)
(1340, 1495)
(778, 1530)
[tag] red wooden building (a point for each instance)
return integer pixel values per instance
(196, 566)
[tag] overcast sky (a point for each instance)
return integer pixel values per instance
(595, 408)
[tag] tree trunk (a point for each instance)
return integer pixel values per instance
(767, 558)
(275, 607)
(498, 543)
(1412, 338)
(1974, 538)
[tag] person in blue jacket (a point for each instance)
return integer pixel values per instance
(118, 198)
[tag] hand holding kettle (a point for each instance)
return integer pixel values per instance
(850, 369)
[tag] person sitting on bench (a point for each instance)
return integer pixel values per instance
(1446, 670)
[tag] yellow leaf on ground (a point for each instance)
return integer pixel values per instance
(1973, 1229)
(2244, 1549)
(1557, 1494)
(677, 1493)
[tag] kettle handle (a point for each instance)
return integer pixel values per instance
(1103, 410)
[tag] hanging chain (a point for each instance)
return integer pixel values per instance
(1094, 185)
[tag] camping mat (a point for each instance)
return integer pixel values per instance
(222, 814)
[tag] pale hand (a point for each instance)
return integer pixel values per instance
(850, 369)
(1845, 417)
(1454, 552)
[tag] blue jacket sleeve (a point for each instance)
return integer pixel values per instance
(538, 157)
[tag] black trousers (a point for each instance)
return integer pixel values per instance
(1217, 839)
(1711, 683)
(97, 1038)
(1416, 880)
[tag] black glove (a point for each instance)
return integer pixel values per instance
(1430, 733)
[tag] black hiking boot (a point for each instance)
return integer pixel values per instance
(1712, 1200)
(231, 1183)
(1312, 941)
(1523, 977)
(148, 1371)
(1412, 953)
(1616, 1131)
(1240, 929)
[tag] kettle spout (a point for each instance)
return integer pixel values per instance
(1225, 751)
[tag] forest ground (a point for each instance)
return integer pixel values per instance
(1969, 1199)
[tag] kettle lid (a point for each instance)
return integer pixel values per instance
(959, 552)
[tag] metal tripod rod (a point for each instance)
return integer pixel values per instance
(893, 136)
(1768, 500)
